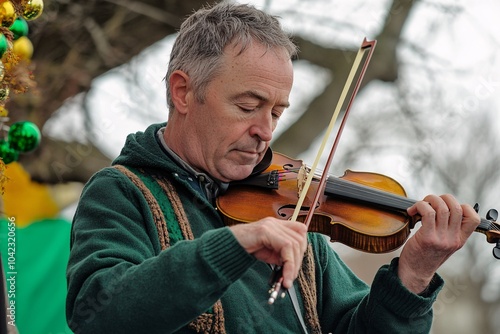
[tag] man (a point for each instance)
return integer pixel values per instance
(150, 254)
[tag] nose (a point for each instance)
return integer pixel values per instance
(263, 126)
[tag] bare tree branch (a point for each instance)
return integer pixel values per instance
(384, 67)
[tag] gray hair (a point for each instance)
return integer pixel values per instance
(199, 47)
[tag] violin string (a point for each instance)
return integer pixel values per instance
(494, 226)
(395, 201)
(361, 192)
(295, 171)
(370, 195)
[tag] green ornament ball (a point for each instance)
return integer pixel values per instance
(24, 136)
(19, 28)
(7, 153)
(4, 45)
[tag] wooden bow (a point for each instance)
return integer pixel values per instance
(364, 53)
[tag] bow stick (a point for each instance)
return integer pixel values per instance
(367, 48)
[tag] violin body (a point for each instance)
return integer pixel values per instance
(363, 226)
(356, 223)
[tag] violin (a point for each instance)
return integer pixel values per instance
(365, 211)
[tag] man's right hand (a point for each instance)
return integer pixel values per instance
(275, 241)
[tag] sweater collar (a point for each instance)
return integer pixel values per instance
(209, 186)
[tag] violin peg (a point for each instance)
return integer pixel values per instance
(476, 207)
(492, 215)
(496, 251)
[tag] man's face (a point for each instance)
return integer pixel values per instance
(234, 125)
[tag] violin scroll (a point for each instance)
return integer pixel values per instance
(489, 227)
(492, 215)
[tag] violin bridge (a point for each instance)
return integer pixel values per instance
(301, 179)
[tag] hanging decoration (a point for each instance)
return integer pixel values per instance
(16, 76)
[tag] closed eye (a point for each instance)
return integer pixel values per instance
(276, 116)
(246, 108)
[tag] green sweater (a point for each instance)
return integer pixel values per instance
(119, 280)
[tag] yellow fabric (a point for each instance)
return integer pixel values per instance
(26, 200)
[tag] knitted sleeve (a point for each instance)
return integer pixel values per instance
(348, 305)
(119, 281)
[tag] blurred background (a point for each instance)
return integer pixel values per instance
(426, 115)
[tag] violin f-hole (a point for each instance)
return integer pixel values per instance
(286, 211)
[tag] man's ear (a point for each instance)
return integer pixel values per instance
(180, 90)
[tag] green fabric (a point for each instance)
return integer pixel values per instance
(121, 282)
(174, 231)
(41, 255)
(173, 228)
